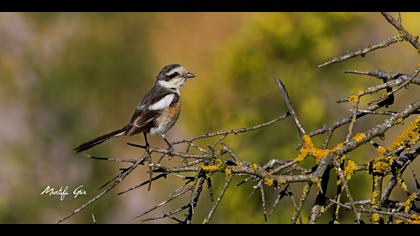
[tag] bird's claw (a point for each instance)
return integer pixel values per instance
(171, 150)
(148, 149)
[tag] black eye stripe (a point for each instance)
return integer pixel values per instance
(173, 75)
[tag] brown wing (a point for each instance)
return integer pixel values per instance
(143, 119)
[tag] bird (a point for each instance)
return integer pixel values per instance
(156, 113)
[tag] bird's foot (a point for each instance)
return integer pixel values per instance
(171, 150)
(148, 148)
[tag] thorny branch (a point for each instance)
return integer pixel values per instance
(404, 33)
(200, 163)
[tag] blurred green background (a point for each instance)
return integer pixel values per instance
(67, 77)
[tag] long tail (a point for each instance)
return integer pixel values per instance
(89, 144)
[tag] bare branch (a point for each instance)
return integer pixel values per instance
(216, 204)
(385, 75)
(404, 33)
(233, 131)
(118, 180)
(208, 155)
(364, 51)
(289, 106)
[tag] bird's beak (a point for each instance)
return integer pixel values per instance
(189, 75)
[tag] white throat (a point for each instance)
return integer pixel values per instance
(173, 84)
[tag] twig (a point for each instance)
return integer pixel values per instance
(364, 51)
(93, 219)
(404, 33)
(370, 211)
(402, 85)
(282, 193)
(177, 193)
(373, 89)
(142, 184)
(289, 106)
(120, 178)
(174, 153)
(318, 207)
(261, 187)
(402, 160)
(233, 131)
(341, 122)
(110, 159)
(202, 161)
(302, 200)
(216, 203)
(384, 75)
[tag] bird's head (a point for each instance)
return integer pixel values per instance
(173, 76)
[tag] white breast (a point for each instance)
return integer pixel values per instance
(162, 103)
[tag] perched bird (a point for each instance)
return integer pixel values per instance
(156, 113)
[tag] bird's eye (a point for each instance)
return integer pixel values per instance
(173, 75)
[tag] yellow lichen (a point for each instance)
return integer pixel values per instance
(349, 169)
(376, 217)
(354, 98)
(375, 196)
(309, 149)
(239, 164)
(302, 155)
(306, 190)
(410, 136)
(268, 182)
(359, 137)
(381, 150)
(218, 164)
(317, 182)
(360, 92)
(338, 146)
(402, 184)
(415, 219)
(306, 148)
(399, 121)
(320, 153)
(382, 165)
(398, 221)
(409, 202)
(281, 181)
(228, 172)
(307, 140)
(254, 166)
(342, 158)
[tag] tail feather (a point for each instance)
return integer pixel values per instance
(91, 143)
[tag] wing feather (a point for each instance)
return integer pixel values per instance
(148, 110)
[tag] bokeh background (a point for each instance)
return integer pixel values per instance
(67, 77)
